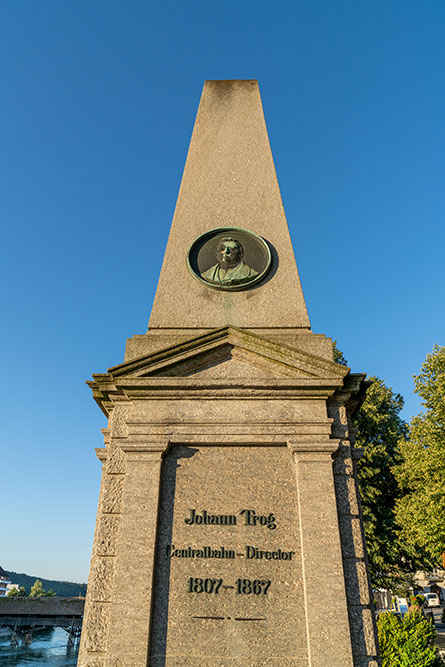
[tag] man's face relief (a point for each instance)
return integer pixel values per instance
(228, 253)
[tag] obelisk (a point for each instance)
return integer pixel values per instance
(229, 528)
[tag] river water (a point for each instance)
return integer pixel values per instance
(47, 648)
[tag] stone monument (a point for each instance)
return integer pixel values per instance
(229, 529)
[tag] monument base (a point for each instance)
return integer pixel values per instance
(229, 526)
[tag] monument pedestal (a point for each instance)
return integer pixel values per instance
(229, 528)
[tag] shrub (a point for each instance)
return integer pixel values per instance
(417, 600)
(407, 642)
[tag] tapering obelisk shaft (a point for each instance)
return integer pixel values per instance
(229, 181)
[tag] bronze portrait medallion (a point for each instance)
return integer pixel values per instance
(229, 258)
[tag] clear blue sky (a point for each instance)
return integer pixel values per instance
(98, 99)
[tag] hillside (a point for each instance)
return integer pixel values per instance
(65, 588)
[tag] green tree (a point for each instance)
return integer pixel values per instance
(17, 592)
(407, 642)
(380, 429)
(338, 355)
(420, 511)
(38, 591)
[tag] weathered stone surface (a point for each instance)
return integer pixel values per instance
(97, 627)
(209, 659)
(130, 616)
(352, 541)
(115, 461)
(229, 181)
(112, 495)
(119, 421)
(101, 579)
(179, 615)
(362, 629)
(357, 587)
(94, 662)
(346, 495)
(321, 546)
(156, 340)
(343, 465)
(107, 535)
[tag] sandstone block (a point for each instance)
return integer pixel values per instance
(97, 627)
(112, 494)
(107, 535)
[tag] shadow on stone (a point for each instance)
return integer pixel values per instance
(161, 582)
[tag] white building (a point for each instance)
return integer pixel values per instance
(5, 583)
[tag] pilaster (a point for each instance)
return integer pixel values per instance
(130, 614)
(325, 603)
(355, 563)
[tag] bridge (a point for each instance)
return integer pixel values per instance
(22, 615)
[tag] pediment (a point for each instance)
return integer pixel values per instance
(229, 353)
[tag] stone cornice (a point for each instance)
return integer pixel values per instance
(352, 393)
(290, 359)
(303, 431)
(153, 447)
(174, 373)
(108, 391)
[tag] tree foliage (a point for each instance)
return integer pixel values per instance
(38, 591)
(408, 641)
(17, 592)
(420, 510)
(380, 429)
(402, 475)
(338, 355)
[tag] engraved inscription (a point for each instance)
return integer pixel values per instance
(260, 554)
(248, 516)
(242, 586)
(245, 517)
(228, 557)
(205, 518)
(204, 552)
(251, 553)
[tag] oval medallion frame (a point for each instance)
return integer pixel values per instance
(253, 266)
